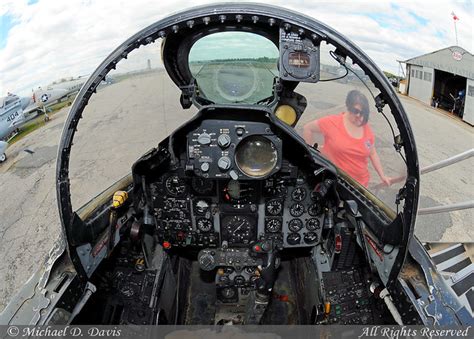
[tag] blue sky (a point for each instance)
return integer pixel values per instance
(6, 23)
(53, 39)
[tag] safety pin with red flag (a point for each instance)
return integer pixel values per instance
(455, 17)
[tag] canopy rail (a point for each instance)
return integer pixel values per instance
(436, 166)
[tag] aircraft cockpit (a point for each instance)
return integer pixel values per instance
(262, 171)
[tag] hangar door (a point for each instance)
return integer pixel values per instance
(447, 87)
(421, 83)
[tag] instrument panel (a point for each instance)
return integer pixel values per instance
(213, 213)
(257, 197)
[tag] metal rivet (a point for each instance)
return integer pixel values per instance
(255, 19)
(271, 21)
(161, 34)
(222, 18)
(175, 28)
(239, 18)
(206, 20)
(190, 23)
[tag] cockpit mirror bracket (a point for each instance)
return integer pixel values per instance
(397, 139)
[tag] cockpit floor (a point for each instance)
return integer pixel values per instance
(202, 302)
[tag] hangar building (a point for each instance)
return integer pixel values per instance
(439, 77)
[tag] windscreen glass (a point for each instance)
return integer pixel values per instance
(234, 67)
(342, 119)
(135, 108)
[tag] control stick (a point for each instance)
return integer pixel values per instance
(268, 271)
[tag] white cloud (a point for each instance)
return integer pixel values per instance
(54, 39)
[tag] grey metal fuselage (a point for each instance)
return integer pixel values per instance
(12, 114)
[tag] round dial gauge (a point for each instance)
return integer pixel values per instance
(204, 225)
(237, 230)
(228, 292)
(314, 210)
(272, 225)
(310, 238)
(274, 207)
(202, 186)
(312, 224)
(201, 207)
(174, 185)
(297, 210)
(293, 239)
(298, 194)
(295, 225)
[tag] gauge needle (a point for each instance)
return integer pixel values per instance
(238, 228)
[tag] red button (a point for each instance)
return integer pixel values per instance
(166, 245)
(257, 248)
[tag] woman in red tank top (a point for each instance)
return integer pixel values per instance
(348, 139)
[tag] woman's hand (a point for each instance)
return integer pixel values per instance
(387, 181)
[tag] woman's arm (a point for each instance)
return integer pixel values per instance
(309, 129)
(374, 158)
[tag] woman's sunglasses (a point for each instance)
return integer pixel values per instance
(356, 111)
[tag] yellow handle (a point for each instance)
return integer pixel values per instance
(119, 198)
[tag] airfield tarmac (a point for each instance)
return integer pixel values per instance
(128, 118)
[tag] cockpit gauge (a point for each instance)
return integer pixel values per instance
(312, 224)
(293, 238)
(204, 225)
(175, 185)
(295, 225)
(238, 192)
(272, 225)
(228, 292)
(298, 194)
(202, 186)
(297, 210)
(201, 207)
(310, 238)
(299, 60)
(256, 156)
(275, 187)
(274, 207)
(314, 210)
(237, 229)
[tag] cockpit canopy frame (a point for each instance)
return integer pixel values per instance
(260, 19)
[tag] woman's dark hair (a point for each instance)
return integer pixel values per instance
(356, 97)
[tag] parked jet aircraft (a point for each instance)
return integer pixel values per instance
(15, 110)
(12, 117)
(42, 98)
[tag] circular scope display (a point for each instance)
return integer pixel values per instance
(256, 156)
(236, 83)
